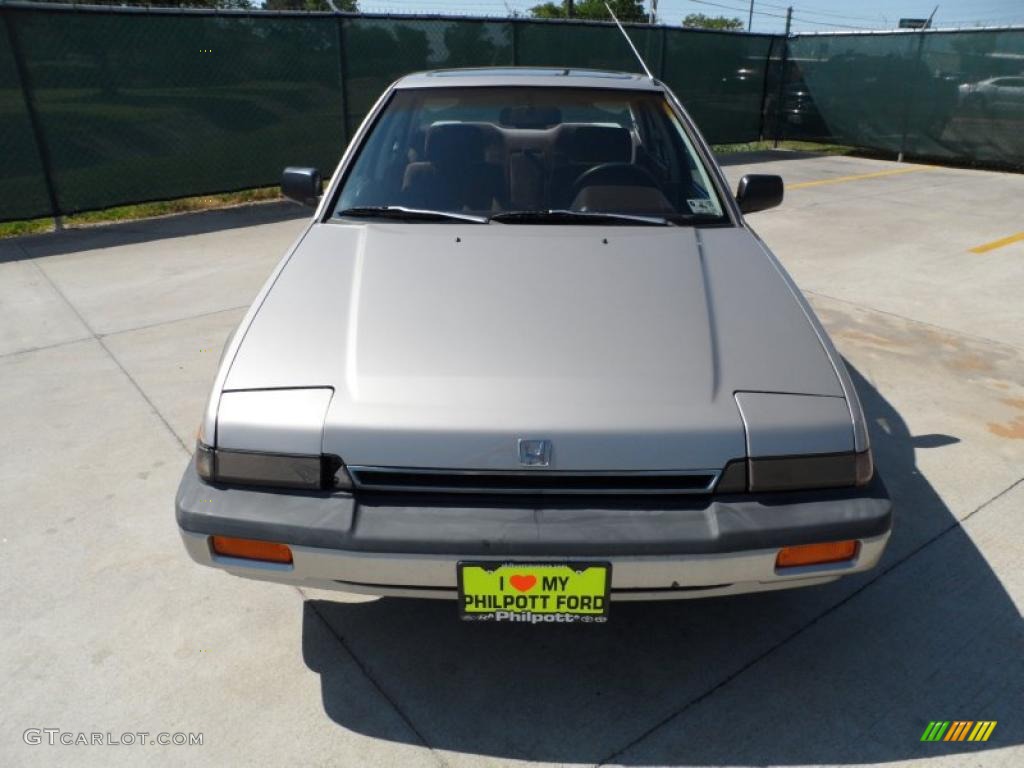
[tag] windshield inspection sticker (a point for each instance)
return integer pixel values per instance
(702, 205)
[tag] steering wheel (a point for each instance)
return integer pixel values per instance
(614, 174)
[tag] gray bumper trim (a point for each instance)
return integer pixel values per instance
(553, 527)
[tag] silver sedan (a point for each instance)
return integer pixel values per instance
(527, 355)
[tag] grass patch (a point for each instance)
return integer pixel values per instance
(142, 211)
(797, 146)
(28, 227)
(208, 202)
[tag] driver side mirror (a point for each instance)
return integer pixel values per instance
(303, 185)
(756, 192)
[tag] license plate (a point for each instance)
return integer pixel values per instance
(534, 593)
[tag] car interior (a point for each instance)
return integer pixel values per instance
(574, 166)
(531, 158)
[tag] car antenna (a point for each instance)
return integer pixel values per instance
(629, 42)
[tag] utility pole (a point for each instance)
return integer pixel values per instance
(750, 18)
(654, 12)
(570, 11)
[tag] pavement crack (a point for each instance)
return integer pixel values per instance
(984, 504)
(112, 356)
(175, 320)
(881, 574)
(373, 681)
(55, 345)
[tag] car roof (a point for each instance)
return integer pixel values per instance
(542, 77)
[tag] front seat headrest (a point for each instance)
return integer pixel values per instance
(593, 144)
(455, 143)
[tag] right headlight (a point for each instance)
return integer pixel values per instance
(275, 470)
(791, 473)
(798, 473)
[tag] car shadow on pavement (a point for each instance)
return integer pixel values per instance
(122, 233)
(847, 673)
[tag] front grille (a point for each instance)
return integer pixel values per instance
(538, 481)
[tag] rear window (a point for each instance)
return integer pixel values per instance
(484, 151)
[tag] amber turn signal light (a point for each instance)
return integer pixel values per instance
(251, 549)
(816, 554)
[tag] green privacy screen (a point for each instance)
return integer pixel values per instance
(101, 107)
(136, 107)
(379, 50)
(22, 181)
(945, 95)
(720, 79)
(718, 75)
(131, 106)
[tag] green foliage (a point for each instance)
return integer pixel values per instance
(699, 20)
(236, 4)
(625, 10)
(351, 6)
(548, 11)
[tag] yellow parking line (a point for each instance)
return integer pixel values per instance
(859, 176)
(986, 247)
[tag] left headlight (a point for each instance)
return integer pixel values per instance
(275, 470)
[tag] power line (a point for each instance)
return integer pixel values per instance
(805, 12)
(815, 12)
(834, 24)
(795, 18)
(734, 8)
(801, 19)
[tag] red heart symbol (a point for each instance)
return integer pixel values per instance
(522, 583)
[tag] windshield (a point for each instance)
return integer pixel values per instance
(531, 152)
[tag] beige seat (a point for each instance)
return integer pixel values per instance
(456, 174)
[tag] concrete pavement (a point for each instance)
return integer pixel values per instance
(110, 340)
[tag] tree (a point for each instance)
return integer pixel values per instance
(548, 11)
(700, 21)
(236, 4)
(352, 6)
(625, 10)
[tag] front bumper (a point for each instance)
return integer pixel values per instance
(658, 548)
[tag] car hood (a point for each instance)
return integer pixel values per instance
(445, 343)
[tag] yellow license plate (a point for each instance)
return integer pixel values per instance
(534, 593)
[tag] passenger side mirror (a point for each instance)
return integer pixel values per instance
(756, 192)
(303, 185)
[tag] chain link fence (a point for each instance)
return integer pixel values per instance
(102, 106)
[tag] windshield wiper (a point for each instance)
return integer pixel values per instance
(561, 216)
(401, 212)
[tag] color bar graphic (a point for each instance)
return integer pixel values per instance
(958, 730)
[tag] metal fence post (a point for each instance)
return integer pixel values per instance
(33, 119)
(342, 79)
(661, 55)
(782, 79)
(764, 88)
(907, 99)
(515, 41)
